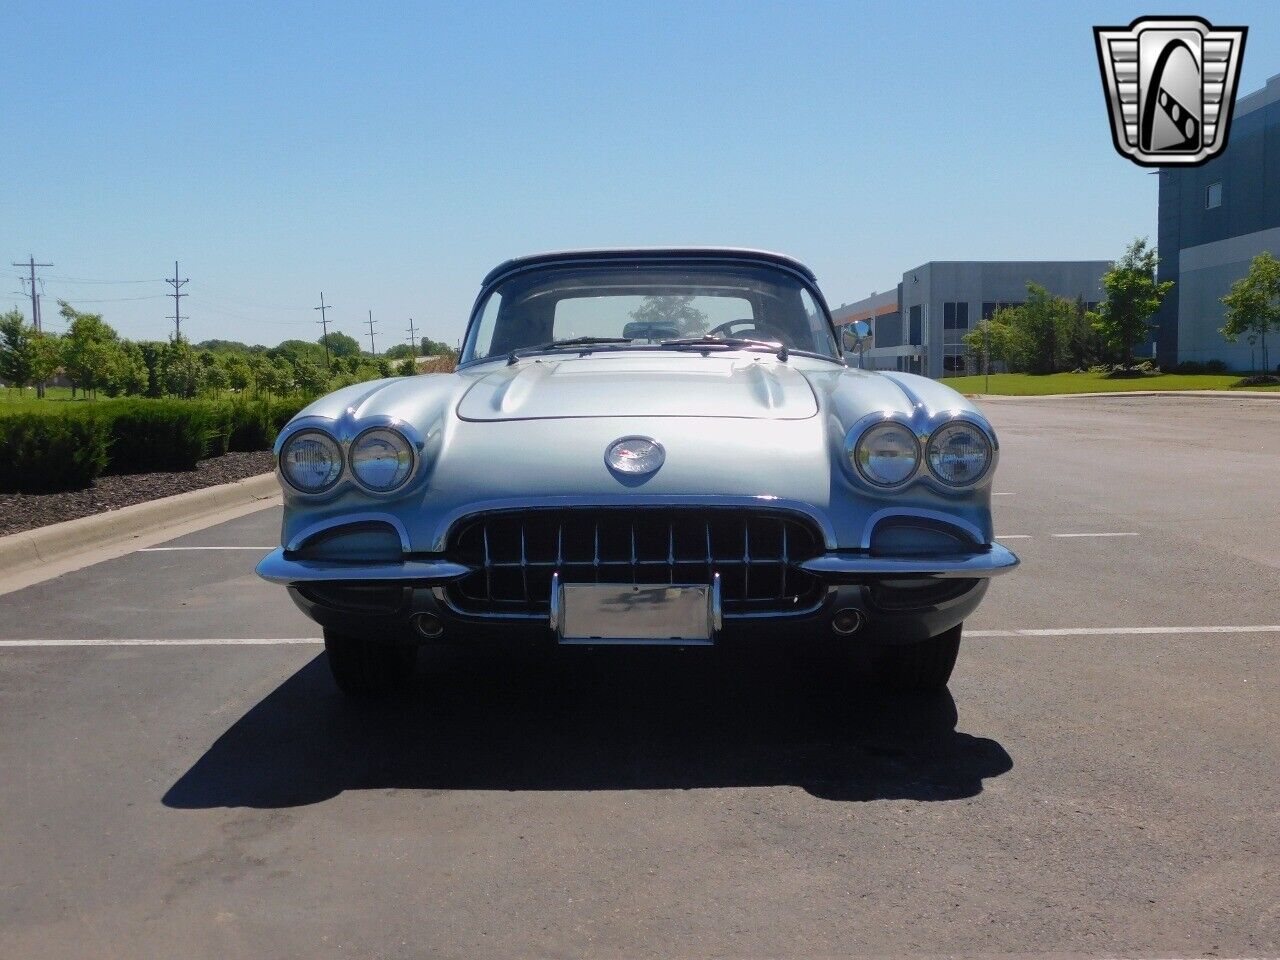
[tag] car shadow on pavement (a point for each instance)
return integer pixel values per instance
(595, 720)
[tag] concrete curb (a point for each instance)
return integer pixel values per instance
(20, 553)
(1121, 394)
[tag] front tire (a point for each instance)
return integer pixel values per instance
(367, 669)
(924, 666)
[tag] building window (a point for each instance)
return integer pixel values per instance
(954, 363)
(915, 331)
(955, 316)
(1213, 195)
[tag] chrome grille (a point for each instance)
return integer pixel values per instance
(515, 553)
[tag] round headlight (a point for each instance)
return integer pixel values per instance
(887, 454)
(311, 461)
(381, 459)
(959, 453)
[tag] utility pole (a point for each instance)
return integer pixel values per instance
(413, 338)
(35, 304)
(372, 348)
(177, 299)
(324, 325)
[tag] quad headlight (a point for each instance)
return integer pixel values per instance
(311, 461)
(886, 454)
(381, 459)
(959, 453)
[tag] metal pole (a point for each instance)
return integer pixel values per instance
(324, 325)
(986, 356)
(35, 303)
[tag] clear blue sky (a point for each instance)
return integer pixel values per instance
(389, 155)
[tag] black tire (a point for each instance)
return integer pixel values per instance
(925, 666)
(368, 669)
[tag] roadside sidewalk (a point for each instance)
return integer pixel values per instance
(32, 556)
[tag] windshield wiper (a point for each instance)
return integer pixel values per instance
(731, 343)
(569, 344)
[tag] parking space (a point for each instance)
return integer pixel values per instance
(1107, 790)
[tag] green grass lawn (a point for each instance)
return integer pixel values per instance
(55, 399)
(1028, 385)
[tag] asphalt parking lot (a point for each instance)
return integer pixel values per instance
(1090, 786)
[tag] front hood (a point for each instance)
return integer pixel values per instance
(672, 385)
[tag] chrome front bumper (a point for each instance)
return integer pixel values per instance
(992, 562)
(276, 567)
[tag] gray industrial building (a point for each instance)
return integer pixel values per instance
(1214, 219)
(920, 326)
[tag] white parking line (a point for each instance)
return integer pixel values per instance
(1006, 493)
(1130, 631)
(160, 642)
(180, 549)
(1093, 534)
(1013, 536)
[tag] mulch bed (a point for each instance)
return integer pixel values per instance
(25, 511)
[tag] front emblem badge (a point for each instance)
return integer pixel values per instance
(1170, 84)
(635, 456)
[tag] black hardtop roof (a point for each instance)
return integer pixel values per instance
(648, 254)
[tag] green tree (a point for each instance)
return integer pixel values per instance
(310, 378)
(91, 349)
(340, 344)
(991, 341)
(216, 379)
(153, 360)
(1133, 297)
(182, 373)
(398, 351)
(128, 375)
(239, 373)
(406, 368)
(674, 311)
(384, 367)
(1253, 305)
(21, 352)
(436, 348)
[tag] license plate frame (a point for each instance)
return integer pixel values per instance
(635, 614)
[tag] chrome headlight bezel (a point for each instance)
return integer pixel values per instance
(407, 445)
(855, 445)
(326, 438)
(985, 439)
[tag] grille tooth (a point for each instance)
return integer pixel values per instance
(756, 553)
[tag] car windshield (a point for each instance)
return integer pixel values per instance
(619, 305)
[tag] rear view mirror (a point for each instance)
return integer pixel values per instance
(855, 333)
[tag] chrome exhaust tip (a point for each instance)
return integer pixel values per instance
(848, 621)
(428, 625)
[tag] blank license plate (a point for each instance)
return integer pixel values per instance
(635, 613)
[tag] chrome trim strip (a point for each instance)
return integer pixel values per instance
(275, 567)
(995, 561)
(475, 509)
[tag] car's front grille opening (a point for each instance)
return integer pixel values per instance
(515, 554)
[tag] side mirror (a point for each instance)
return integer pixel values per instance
(856, 333)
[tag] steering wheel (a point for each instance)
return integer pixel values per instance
(752, 330)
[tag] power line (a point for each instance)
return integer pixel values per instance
(413, 342)
(177, 299)
(372, 348)
(35, 302)
(324, 325)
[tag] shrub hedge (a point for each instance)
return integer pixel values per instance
(66, 449)
(41, 453)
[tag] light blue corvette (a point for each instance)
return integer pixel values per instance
(641, 447)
